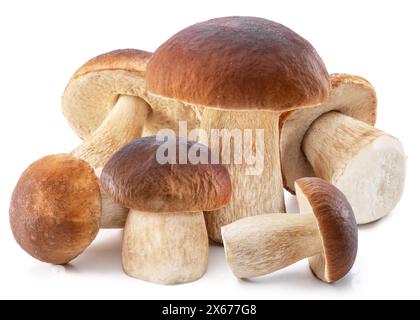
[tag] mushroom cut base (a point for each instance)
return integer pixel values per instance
(366, 164)
(165, 248)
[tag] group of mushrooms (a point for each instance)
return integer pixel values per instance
(227, 73)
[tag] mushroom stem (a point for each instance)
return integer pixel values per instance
(165, 248)
(366, 164)
(124, 123)
(113, 216)
(253, 192)
(262, 244)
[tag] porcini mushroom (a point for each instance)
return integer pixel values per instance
(243, 72)
(325, 231)
(337, 142)
(106, 104)
(55, 210)
(165, 239)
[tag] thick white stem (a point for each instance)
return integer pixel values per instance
(262, 244)
(165, 248)
(254, 166)
(124, 123)
(366, 164)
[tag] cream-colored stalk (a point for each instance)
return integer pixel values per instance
(262, 244)
(165, 248)
(113, 216)
(252, 193)
(124, 123)
(366, 164)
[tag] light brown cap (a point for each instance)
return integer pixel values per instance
(350, 95)
(55, 208)
(337, 226)
(94, 89)
(239, 63)
(135, 179)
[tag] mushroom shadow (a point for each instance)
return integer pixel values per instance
(291, 203)
(217, 259)
(102, 257)
(374, 224)
(299, 279)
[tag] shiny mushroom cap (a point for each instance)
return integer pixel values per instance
(149, 175)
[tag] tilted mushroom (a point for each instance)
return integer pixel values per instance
(55, 210)
(337, 142)
(243, 72)
(106, 104)
(165, 238)
(325, 231)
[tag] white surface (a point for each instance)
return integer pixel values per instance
(44, 42)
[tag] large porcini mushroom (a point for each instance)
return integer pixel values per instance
(337, 142)
(165, 238)
(243, 72)
(325, 231)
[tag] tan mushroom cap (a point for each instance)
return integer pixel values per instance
(350, 95)
(240, 63)
(135, 179)
(94, 89)
(337, 226)
(55, 208)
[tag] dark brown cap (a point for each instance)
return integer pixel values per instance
(55, 208)
(337, 226)
(239, 63)
(135, 179)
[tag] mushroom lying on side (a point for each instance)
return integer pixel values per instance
(106, 104)
(165, 238)
(243, 72)
(55, 210)
(325, 231)
(336, 141)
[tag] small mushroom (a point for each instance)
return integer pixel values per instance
(55, 210)
(243, 72)
(336, 141)
(325, 231)
(165, 238)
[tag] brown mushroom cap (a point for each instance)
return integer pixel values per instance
(337, 226)
(134, 178)
(55, 208)
(239, 63)
(350, 95)
(94, 89)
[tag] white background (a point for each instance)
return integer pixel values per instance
(43, 42)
